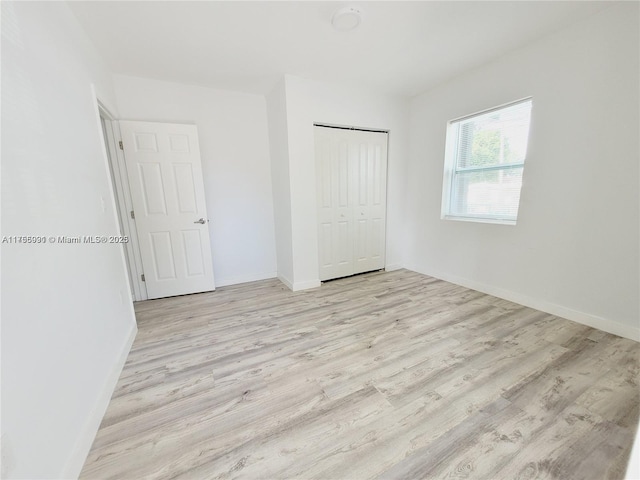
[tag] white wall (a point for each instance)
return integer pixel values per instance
(234, 146)
(574, 251)
(67, 316)
(309, 102)
(279, 149)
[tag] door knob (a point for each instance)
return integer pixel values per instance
(202, 221)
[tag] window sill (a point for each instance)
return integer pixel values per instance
(498, 221)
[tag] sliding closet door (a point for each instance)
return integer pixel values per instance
(335, 202)
(351, 186)
(369, 187)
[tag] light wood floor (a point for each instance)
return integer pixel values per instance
(391, 375)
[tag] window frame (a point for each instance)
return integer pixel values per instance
(451, 169)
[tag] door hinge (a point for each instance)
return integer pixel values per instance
(120, 144)
(142, 278)
(133, 215)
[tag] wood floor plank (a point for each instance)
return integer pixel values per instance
(387, 374)
(296, 438)
(422, 462)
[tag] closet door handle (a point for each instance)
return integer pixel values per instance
(201, 221)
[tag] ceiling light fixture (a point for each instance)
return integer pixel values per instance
(345, 19)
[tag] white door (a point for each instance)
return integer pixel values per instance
(351, 185)
(167, 191)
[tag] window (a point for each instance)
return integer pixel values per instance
(484, 161)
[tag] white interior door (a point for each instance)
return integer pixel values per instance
(335, 203)
(167, 192)
(369, 192)
(352, 180)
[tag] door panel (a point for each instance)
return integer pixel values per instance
(152, 188)
(185, 186)
(163, 262)
(343, 256)
(351, 178)
(326, 234)
(167, 191)
(192, 245)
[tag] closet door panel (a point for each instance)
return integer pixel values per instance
(370, 209)
(351, 186)
(334, 206)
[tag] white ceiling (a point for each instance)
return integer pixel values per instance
(400, 48)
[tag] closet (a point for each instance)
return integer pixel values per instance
(351, 172)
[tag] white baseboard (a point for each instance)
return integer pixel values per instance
(392, 267)
(286, 281)
(83, 444)
(297, 286)
(633, 467)
(244, 279)
(609, 326)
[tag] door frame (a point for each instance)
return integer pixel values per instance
(124, 205)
